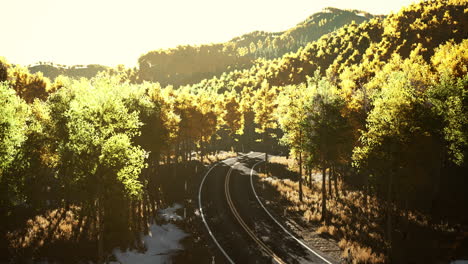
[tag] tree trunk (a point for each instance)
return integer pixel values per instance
(310, 177)
(266, 153)
(335, 174)
(300, 176)
(100, 233)
(343, 183)
(436, 185)
(146, 210)
(324, 196)
(189, 150)
(186, 151)
(389, 212)
(330, 181)
(366, 189)
(199, 153)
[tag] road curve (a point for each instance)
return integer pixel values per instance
(239, 224)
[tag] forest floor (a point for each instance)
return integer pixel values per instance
(356, 226)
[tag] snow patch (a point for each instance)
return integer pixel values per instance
(169, 214)
(161, 242)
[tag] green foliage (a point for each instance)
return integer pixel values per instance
(264, 106)
(325, 125)
(291, 114)
(125, 161)
(95, 128)
(390, 123)
(14, 117)
(449, 98)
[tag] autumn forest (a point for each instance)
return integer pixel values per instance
(367, 114)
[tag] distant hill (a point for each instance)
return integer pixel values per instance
(357, 49)
(191, 64)
(274, 45)
(51, 70)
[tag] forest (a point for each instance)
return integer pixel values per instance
(378, 105)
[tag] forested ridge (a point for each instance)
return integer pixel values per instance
(175, 66)
(378, 106)
(52, 71)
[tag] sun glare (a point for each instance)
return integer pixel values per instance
(113, 32)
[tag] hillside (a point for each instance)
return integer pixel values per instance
(51, 70)
(361, 49)
(177, 66)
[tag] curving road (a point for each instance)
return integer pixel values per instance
(239, 223)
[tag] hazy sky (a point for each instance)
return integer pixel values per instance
(111, 32)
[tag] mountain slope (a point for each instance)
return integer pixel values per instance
(191, 64)
(362, 48)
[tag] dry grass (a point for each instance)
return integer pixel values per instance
(52, 225)
(289, 163)
(208, 159)
(351, 222)
(355, 220)
(355, 253)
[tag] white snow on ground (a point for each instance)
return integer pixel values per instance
(161, 241)
(169, 214)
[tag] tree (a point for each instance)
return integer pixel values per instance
(95, 145)
(451, 59)
(28, 86)
(4, 65)
(391, 125)
(264, 108)
(449, 98)
(291, 114)
(14, 119)
(231, 115)
(325, 130)
(14, 115)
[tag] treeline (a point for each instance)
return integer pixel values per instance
(52, 71)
